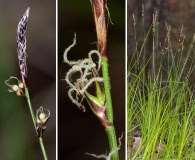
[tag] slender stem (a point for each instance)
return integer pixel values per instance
(43, 148)
(109, 130)
(30, 107)
(98, 8)
(34, 122)
(153, 57)
(107, 89)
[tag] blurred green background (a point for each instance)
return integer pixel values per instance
(17, 135)
(81, 132)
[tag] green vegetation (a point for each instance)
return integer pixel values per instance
(161, 99)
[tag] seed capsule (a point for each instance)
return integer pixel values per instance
(18, 89)
(42, 117)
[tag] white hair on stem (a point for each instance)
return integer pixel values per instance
(109, 156)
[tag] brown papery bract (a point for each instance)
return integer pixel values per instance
(98, 7)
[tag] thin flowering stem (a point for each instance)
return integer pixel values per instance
(34, 122)
(21, 49)
(98, 8)
(87, 70)
(30, 107)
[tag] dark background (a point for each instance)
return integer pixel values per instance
(17, 134)
(179, 15)
(175, 12)
(81, 132)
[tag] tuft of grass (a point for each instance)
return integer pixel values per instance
(161, 100)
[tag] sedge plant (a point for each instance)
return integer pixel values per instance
(21, 88)
(161, 99)
(88, 72)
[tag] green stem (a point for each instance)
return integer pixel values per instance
(109, 130)
(30, 107)
(43, 148)
(107, 88)
(153, 58)
(112, 142)
(34, 122)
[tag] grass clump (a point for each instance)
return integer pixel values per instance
(161, 99)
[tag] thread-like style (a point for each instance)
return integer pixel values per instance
(84, 68)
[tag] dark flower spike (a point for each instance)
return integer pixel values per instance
(42, 116)
(18, 89)
(21, 43)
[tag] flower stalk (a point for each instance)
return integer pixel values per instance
(98, 8)
(21, 88)
(87, 70)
